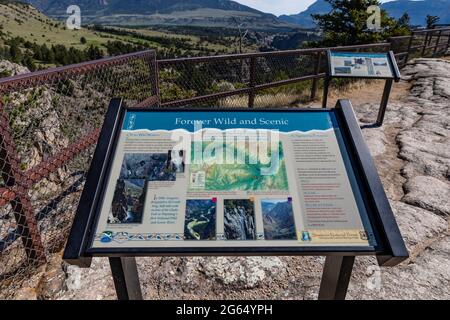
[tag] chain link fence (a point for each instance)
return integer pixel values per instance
(50, 121)
(49, 124)
(274, 79)
(421, 43)
(281, 78)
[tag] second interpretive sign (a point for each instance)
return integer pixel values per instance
(361, 65)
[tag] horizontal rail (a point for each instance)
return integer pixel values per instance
(150, 101)
(237, 92)
(431, 30)
(401, 54)
(429, 47)
(241, 56)
(289, 81)
(400, 37)
(213, 96)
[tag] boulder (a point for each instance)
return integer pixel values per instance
(9, 69)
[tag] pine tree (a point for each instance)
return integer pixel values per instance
(347, 23)
(15, 53)
(404, 20)
(94, 53)
(432, 21)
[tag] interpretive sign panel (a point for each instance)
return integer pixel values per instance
(233, 182)
(214, 179)
(363, 65)
(183, 182)
(351, 64)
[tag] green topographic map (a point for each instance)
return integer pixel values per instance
(236, 176)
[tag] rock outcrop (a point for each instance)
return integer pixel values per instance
(9, 69)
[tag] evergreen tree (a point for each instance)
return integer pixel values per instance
(29, 63)
(94, 53)
(404, 21)
(347, 24)
(432, 21)
(15, 53)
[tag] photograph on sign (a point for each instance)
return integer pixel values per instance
(218, 179)
(348, 64)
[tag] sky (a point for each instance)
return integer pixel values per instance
(279, 7)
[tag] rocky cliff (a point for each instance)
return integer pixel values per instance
(8, 69)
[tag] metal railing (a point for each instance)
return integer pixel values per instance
(421, 43)
(247, 77)
(207, 78)
(49, 122)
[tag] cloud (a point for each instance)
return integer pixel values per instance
(278, 7)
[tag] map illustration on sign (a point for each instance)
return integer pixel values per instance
(212, 176)
(241, 179)
(346, 64)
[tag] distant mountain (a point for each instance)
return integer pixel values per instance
(304, 18)
(218, 13)
(417, 10)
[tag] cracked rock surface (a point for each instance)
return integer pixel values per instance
(412, 155)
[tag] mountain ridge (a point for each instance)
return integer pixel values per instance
(417, 11)
(219, 13)
(304, 18)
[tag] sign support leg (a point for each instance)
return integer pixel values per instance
(126, 278)
(326, 86)
(336, 277)
(384, 101)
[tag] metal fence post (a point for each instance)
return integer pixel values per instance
(316, 72)
(409, 48)
(438, 41)
(448, 42)
(14, 178)
(155, 80)
(326, 88)
(425, 43)
(251, 94)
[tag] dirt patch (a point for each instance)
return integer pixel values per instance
(368, 92)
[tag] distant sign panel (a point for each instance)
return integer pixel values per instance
(361, 65)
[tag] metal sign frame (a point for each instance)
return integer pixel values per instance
(390, 249)
(396, 76)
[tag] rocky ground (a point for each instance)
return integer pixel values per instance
(412, 154)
